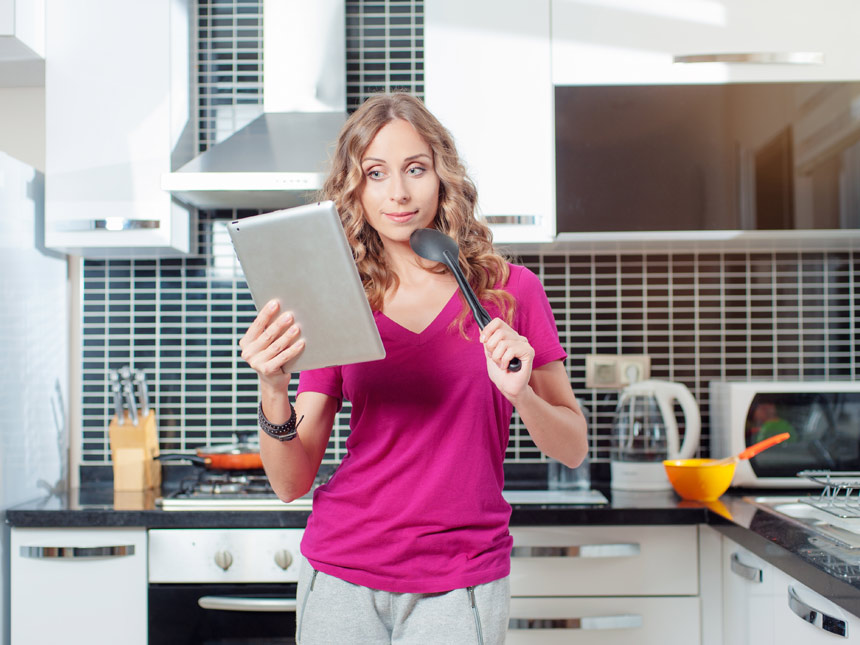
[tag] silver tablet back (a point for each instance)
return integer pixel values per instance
(300, 257)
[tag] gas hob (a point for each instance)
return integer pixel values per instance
(252, 492)
(228, 491)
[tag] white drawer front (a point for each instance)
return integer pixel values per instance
(224, 555)
(605, 561)
(604, 621)
(78, 586)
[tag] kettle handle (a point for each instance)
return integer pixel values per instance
(667, 411)
(692, 418)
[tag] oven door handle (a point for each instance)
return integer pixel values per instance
(231, 603)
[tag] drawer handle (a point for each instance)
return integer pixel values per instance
(45, 552)
(756, 58)
(512, 219)
(108, 224)
(622, 621)
(752, 574)
(622, 550)
(816, 617)
(230, 603)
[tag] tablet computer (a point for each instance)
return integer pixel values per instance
(300, 257)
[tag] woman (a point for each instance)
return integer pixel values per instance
(408, 542)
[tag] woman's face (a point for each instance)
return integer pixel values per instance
(401, 188)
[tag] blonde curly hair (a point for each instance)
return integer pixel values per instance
(482, 265)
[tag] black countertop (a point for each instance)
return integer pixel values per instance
(833, 573)
(101, 506)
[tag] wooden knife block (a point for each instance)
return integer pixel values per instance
(133, 451)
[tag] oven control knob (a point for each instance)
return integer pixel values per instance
(223, 559)
(283, 558)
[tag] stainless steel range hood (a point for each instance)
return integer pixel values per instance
(279, 159)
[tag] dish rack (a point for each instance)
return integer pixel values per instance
(840, 495)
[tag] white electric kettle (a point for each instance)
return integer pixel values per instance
(645, 432)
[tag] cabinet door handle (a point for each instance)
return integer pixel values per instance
(230, 603)
(755, 58)
(512, 219)
(816, 617)
(44, 552)
(752, 574)
(107, 224)
(577, 551)
(622, 621)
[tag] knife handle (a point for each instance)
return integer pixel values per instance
(117, 400)
(142, 392)
(129, 400)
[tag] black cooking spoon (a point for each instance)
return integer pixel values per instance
(434, 245)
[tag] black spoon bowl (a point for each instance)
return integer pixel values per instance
(431, 244)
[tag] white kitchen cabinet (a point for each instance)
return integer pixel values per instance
(605, 584)
(793, 601)
(606, 42)
(487, 78)
(116, 107)
(763, 605)
(22, 29)
(748, 597)
(605, 561)
(22, 43)
(78, 586)
(604, 621)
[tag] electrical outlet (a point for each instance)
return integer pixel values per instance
(613, 371)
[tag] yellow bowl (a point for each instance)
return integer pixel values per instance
(693, 479)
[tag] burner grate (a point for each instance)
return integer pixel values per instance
(232, 490)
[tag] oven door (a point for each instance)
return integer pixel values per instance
(222, 614)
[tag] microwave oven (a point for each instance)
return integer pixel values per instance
(822, 418)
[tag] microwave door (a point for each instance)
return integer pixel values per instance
(824, 429)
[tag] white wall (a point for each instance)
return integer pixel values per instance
(34, 357)
(22, 124)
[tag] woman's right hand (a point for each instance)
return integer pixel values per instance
(270, 344)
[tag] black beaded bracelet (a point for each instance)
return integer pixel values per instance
(284, 432)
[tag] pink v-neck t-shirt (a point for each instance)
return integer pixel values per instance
(416, 505)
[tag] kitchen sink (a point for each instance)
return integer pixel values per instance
(838, 522)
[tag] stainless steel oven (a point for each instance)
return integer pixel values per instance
(223, 586)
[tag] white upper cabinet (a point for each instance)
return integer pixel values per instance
(22, 29)
(487, 79)
(605, 42)
(117, 102)
(22, 43)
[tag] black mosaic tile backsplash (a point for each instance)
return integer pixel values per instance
(780, 316)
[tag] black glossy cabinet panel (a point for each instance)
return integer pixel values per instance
(737, 156)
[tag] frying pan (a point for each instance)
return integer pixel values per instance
(241, 455)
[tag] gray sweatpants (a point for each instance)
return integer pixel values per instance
(331, 611)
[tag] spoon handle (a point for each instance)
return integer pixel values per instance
(481, 316)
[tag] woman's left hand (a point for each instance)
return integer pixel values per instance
(501, 344)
